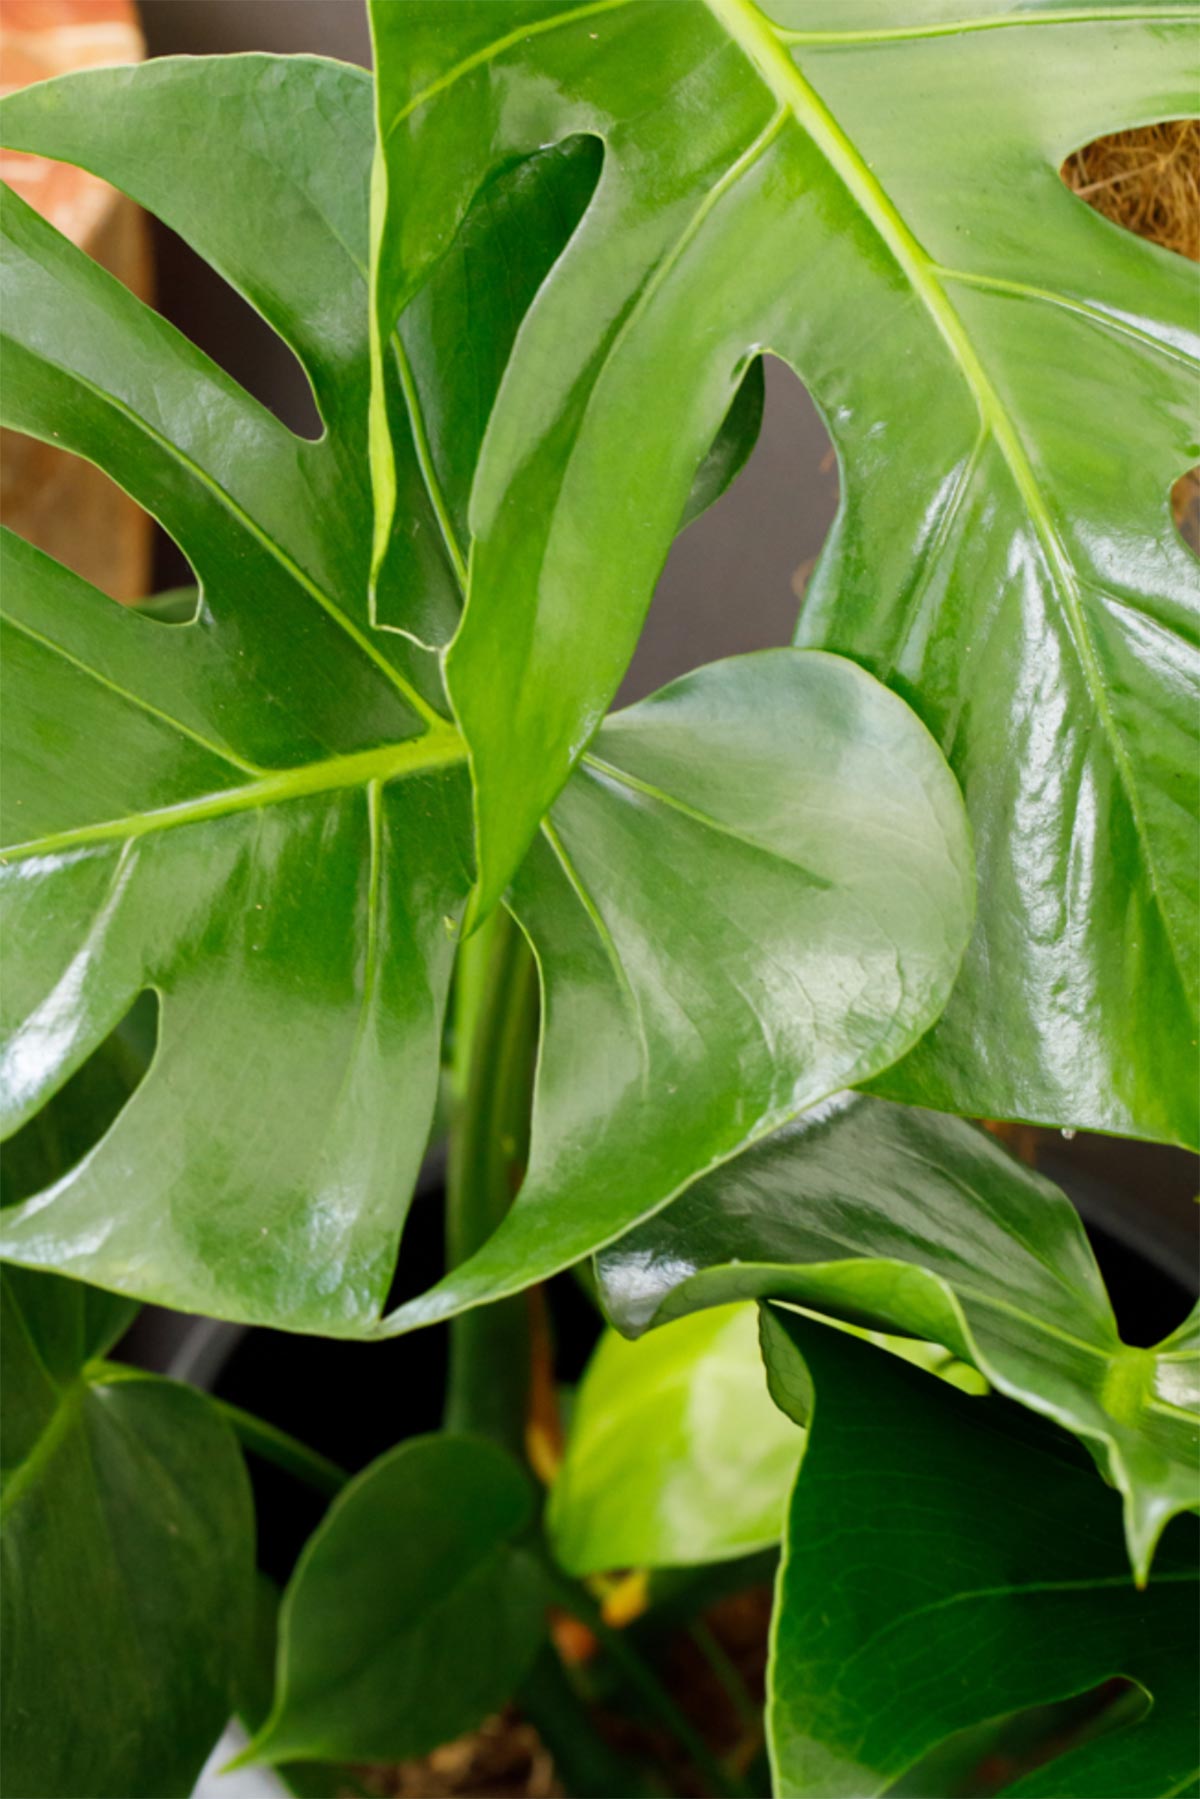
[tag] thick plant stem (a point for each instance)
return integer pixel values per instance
(495, 1039)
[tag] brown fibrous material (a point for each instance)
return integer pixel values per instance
(504, 1759)
(1147, 180)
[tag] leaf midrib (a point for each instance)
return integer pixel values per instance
(674, 803)
(436, 749)
(767, 53)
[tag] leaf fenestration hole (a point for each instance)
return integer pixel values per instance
(1185, 508)
(203, 305)
(85, 1109)
(734, 577)
(1146, 180)
(72, 510)
(160, 268)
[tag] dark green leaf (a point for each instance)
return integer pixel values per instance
(880, 204)
(259, 814)
(128, 1558)
(734, 443)
(675, 1454)
(412, 1612)
(907, 1221)
(307, 1780)
(734, 915)
(942, 1568)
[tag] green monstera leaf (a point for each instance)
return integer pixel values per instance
(258, 812)
(871, 192)
(756, 888)
(413, 1611)
(127, 1542)
(996, 1584)
(907, 1221)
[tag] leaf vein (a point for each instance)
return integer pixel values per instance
(58, 649)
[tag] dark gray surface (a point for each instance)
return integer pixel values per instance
(731, 581)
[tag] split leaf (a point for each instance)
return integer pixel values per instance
(880, 205)
(260, 814)
(907, 1221)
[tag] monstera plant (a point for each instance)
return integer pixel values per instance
(718, 985)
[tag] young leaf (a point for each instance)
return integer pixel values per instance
(412, 1613)
(128, 1559)
(943, 1567)
(675, 1455)
(756, 889)
(907, 1221)
(453, 342)
(880, 204)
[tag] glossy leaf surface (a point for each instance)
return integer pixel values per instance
(451, 348)
(756, 889)
(65, 1130)
(908, 1221)
(275, 836)
(999, 1583)
(675, 1454)
(128, 1559)
(411, 1614)
(258, 814)
(875, 197)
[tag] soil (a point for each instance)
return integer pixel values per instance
(506, 1759)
